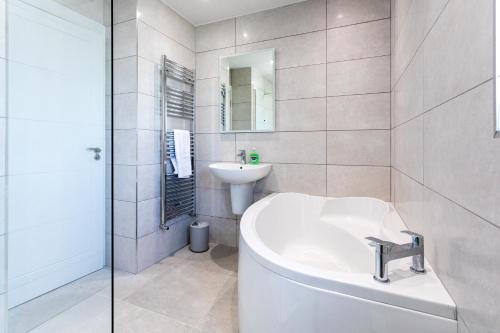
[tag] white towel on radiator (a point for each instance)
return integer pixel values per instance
(182, 161)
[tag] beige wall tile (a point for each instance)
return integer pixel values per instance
(216, 35)
(301, 82)
(358, 181)
(371, 111)
(293, 51)
(286, 147)
(359, 76)
(408, 148)
(295, 19)
(301, 178)
(367, 147)
(359, 41)
(460, 154)
(449, 68)
(301, 115)
(347, 12)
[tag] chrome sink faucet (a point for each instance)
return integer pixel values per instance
(243, 156)
(387, 251)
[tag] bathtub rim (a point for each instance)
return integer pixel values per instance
(438, 303)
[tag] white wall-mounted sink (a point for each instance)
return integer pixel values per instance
(242, 178)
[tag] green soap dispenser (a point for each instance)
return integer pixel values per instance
(254, 157)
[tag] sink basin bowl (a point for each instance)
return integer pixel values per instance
(233, 173)
(242, 178)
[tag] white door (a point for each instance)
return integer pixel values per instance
(56, 106)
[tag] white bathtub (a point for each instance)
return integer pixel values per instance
(304, 266)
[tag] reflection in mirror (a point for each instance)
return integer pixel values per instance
(247, 92)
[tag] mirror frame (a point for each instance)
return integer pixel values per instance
(496, 67)
(219, 83)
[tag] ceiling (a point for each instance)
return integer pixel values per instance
(200, 12)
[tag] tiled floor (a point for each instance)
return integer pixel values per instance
(188, 292)
(81, 306)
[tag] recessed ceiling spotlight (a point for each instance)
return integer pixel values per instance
(245, 35)
(139, 14)
(340, 16)
(271, 62)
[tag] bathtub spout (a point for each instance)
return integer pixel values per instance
(387, 251)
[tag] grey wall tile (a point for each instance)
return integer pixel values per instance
(125, 111)
(216, 35)
(214, 202)
(448, 67)
(124, 182)
(207, 63)
(347, 12)
(125, 39)
(148, 216)
(215, 147)
(359, 76)
(222, 231)
(148, 147)
(293, 51)
(3, 146)
(3, 88)
(359, 41)
(125, 254)
(358, 181)
(205, 178)
(148, 182)
(125, 218)
(301, 178)
(125, 75)
(454, 235)
(412, 27)
(208, 119)
(125, 147)
(460, 154)
(148, 112)
(3, 267)
(409, 200)
(295, 19)
(408, 148)
(148, 77)
(152, 44)
(367, 147)
(3, 32)
(301, 82)
(161, 17)
(124, 10)
(3, 201)
(371, 111)
(286, 147)
(301, 115)
(207, 92)
(408, 93)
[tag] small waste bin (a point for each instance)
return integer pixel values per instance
(198, 232)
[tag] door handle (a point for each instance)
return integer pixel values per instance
(97, 152)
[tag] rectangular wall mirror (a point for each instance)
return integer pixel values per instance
(247, 92)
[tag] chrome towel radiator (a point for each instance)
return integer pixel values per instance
(178, 195)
